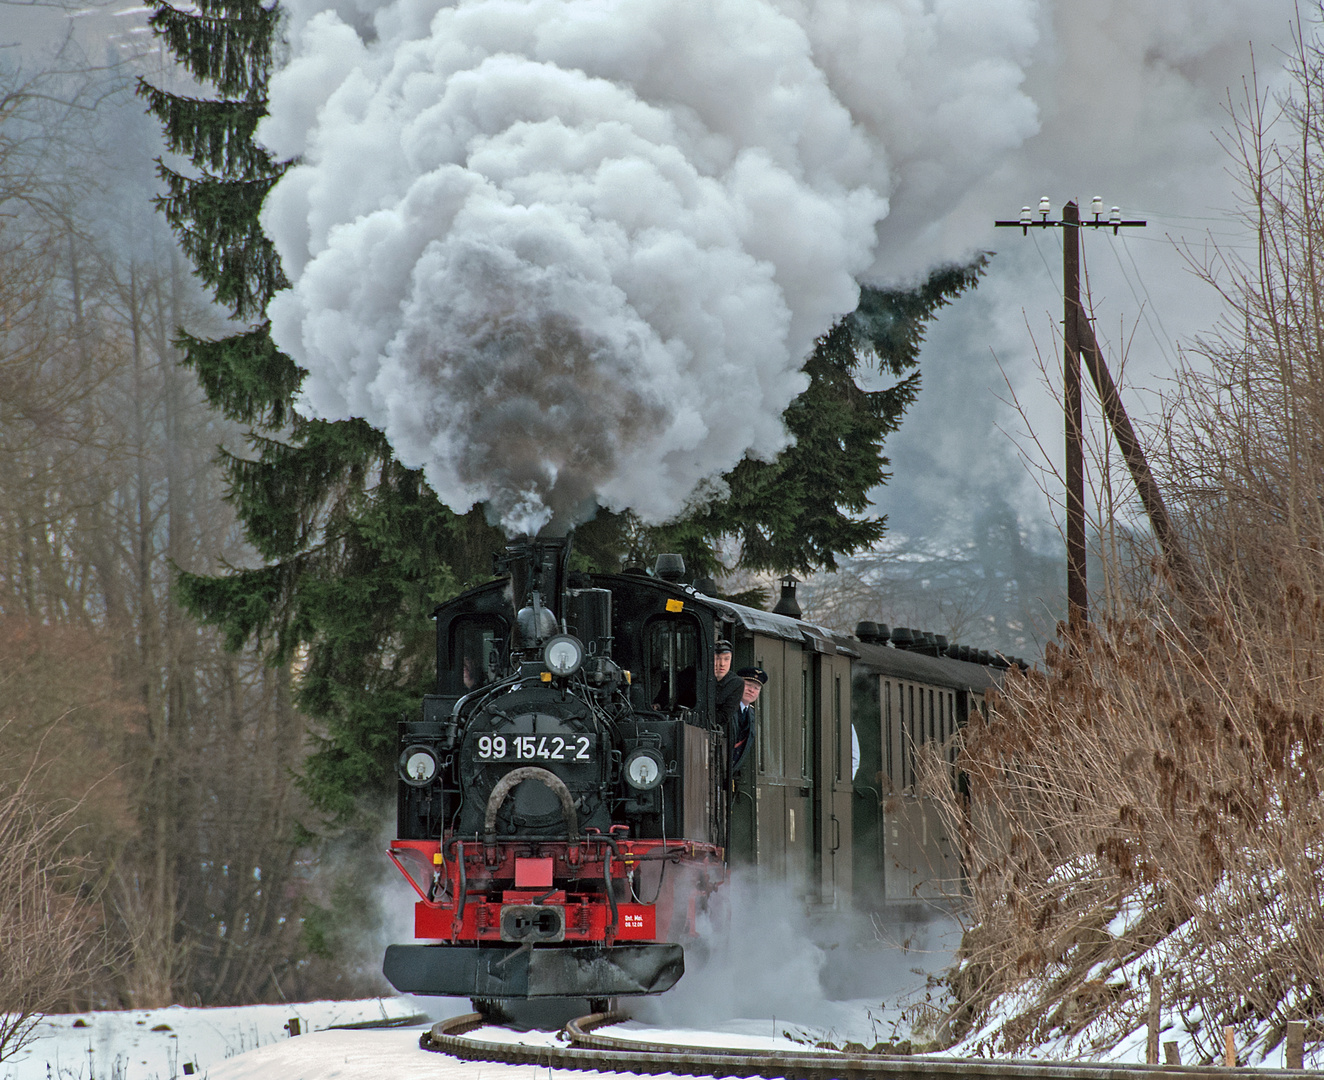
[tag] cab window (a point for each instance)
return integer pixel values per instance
(473, 653)
(671, 647)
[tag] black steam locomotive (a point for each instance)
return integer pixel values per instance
(562, 798)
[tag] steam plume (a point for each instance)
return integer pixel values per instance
(567, 252)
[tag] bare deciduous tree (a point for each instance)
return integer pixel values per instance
(109, 488)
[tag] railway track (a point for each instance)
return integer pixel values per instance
(586, 1049)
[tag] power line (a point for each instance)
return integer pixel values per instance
(1051, 276)
(1141, 278)
(1141, 305)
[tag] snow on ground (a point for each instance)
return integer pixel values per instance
(252, 1043)
(360, 1055)
(849, 983)
(157, 1044)
(1120, 1035)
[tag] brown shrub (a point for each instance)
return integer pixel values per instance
(47, 924)
(1164, 770)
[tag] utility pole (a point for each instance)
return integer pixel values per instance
(1078, 600)
(1078, 336)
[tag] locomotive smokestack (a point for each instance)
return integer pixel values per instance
(669, 567)
(537, 569)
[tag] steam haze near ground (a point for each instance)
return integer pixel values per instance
(839, 974)
(761, 958)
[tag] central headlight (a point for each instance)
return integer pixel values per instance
(563, 655)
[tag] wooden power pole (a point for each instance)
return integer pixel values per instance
(1078, 339)
(1073, 315)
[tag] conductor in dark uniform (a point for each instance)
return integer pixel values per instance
(753, 680)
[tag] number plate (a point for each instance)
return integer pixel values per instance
(570, 749)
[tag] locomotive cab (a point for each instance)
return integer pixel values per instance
(561, 798)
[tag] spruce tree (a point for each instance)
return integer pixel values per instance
(800, 511)
(355, 548)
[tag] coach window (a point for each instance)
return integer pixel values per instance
(771, 727)
(951, 723)
(887, 734)
(672, 644)
(473, 654)
(806, 724)
(902, 738)
(836, 723)
(916, 729)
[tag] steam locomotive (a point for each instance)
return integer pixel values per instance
(562, 798)
(567, 814)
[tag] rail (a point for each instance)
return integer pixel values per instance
(602, 1053)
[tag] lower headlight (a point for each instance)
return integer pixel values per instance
(643, 768)
(418, 766)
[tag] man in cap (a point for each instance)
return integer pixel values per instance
(754, 679)
(730, 687)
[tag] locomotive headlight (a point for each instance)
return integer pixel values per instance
(418, 765)
(563, 655)
(643, 768)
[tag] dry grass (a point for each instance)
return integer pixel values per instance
(1155, 780)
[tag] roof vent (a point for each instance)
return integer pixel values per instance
(788, 605)
(867, 632)
(903, 637)
(705, 585)
(669, 567)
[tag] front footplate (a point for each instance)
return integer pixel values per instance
(593, 971)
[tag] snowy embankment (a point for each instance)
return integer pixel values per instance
(1100, 1013)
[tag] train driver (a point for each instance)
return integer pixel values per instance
(754, 680)
(730, 687)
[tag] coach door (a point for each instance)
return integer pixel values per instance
(784, 814)
(828, 683)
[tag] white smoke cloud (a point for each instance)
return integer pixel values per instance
(566, 251)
